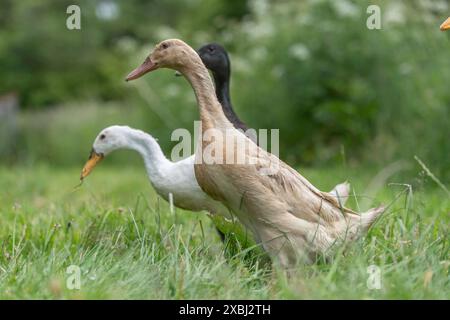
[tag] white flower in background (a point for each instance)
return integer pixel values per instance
(282, 9)
(304, 20)
(227, 36)
(172, 90)
(259, 7)
(345, 8)
(201, 37)
(258, 30)
(278, 71)
(107, 10)
(405, 68)
(299, 51)
(258, 54)
(436, 5)
(241, 65)
(430, 8)
(394, 13)
(126, 44)
(165, 32)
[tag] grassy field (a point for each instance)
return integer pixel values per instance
(128, 244)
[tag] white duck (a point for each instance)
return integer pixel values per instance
(167, 177)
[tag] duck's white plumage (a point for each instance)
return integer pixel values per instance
(166, 177)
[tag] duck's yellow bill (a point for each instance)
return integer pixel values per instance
(446, 25)
(94, 159)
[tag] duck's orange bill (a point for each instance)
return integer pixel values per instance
(94, 159)
(145, 67)
(446, 25)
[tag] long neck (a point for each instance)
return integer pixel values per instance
(222, 84)
(150, 151)
(211, 112)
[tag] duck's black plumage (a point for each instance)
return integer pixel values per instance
(216, 59)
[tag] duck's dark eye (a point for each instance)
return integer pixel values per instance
(211, 49)
(164, 45)
(102, 137)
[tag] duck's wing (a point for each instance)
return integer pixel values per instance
(302, 196)
(296, 179)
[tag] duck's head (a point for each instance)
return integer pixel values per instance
(215, 58)
(446, 25)
(108, 140)
(173, 54)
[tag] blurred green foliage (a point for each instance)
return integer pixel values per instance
(48, 63)
(334, 88)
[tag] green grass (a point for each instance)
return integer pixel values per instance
(128, 244)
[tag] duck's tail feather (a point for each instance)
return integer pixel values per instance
(341, 192)
(368, 218)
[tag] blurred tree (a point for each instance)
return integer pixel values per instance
(310, 68)
(47, 63)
